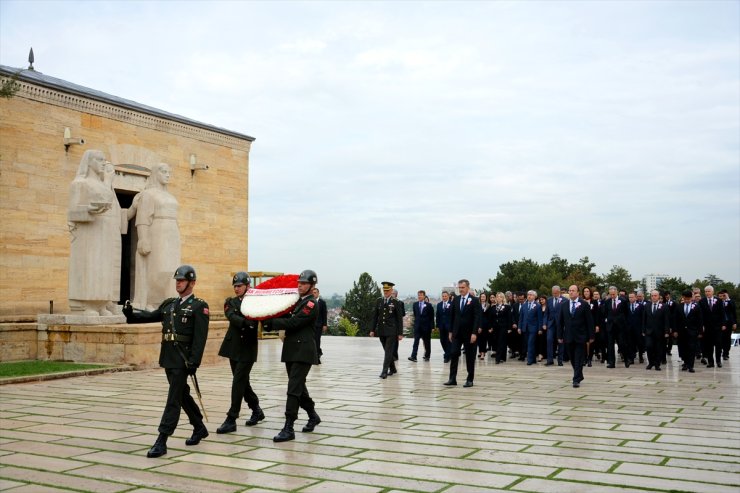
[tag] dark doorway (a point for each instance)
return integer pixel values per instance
(125, 199)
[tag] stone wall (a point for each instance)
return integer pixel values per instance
(36, 170)
(18, 341)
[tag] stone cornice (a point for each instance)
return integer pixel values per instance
(84, 104)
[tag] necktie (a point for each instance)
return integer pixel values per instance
(686, 309)
(572, 307)
(462, 302)
(711, 302)
(614, 305)
(654, 307)
(421, 306)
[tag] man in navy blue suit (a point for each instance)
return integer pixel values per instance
(552, 322)
(655, 328)
(713, 314)
(466, 320)
(634, 329)
(576, 327)
(423, 323)
(444, 316)
(615, 317)
(689, 324)
(729, 324)
(530, 321)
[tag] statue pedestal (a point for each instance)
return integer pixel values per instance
(79, 319)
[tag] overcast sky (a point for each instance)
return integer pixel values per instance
(426, 142)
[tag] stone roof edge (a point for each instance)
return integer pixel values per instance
(34, 77)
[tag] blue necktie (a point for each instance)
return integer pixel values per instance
(572, 308)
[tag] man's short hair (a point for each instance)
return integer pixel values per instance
(445, 292)
(464, 281)
(421, 291)
(723, 291)
(532, 291)
(613, 287)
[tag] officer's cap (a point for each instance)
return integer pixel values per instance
(387, 285)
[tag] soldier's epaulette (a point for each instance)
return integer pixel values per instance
(200, 300)
(166, 302)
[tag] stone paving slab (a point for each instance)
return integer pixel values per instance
(519, 429)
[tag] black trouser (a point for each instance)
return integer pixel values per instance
(319, 330)
(726, 338)
(241, 388)
(444, 340)
(612, 335)
(426, 337)
(470, 348)
(712, 345)
(297, 391)
(655, 347)
(577, 355)
(501, 335)
(389, 345)
(627, 345)
(178, 397)
(688, 340)
(513, 338)
(483, 341)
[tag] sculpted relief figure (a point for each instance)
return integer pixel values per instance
(95, 225)
(158, 247)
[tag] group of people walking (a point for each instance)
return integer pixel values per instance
(576, 328)
(185, 320)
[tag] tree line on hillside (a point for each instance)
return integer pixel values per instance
(520, 275)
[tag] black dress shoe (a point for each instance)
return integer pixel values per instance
(412, 358)
(549, 363)
(198, 435)
(684, 368)
(533, 363)
(691, 370)
(627, 363)
(447, 360)
(649, 367)
(256, 417)
(711, 365)
(576, 385)
(392, 372)
(468, 384)
(229, 426)
(641, 359)
(719, 365)
(560, 363)
(610, 366)
(426, 358)
(589, 363)
(384, 374)
(159, 448)
(725, 358)
(703, 361)
(450, 382)
(657, 368)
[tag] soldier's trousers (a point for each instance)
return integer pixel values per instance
(178, 398)
(297, 391)
(389, 346)
(241, 388)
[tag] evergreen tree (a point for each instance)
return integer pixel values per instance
(359, 302)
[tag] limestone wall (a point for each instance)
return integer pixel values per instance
(35, 173)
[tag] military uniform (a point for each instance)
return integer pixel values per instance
(184, 334)
(387, 324)
(240, 346)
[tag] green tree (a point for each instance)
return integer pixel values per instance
(620, 277)
(347, 327)
(517, 275)
(335, 301)
(582, 274)
(674, 285)
(359, 302)
(9, 86)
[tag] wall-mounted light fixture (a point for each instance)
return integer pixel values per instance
(195, 166)
(68, 140)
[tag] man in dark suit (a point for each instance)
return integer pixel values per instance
(575, 328)
(634, 329)
(466, 320)
(321, 323)
(240, 346)
(387, 324)
(713, 314)
(444, 323)
(551, 323)
(423, 323)
(729, 324)
(672, 307)
(615, 317)
(514, 337)
(655, 328)
(689, 325)
(530, 322)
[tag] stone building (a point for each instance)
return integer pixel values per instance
(44, 130)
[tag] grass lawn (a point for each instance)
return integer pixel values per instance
(25, 368)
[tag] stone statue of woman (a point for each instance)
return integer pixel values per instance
(158, 247)
(94, 220)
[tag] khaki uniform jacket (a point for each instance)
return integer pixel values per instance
(188, 320)
(300, 341)
(387, 318)
(240, 341)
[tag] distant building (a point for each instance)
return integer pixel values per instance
(652, 281)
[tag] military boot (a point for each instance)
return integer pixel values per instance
(159, 448)
(313, 420)
(199, 433)
(286, 433)
(256, 417)
(229, 426)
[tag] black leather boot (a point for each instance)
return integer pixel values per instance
(286, 433)
(229, 426)
(313, 420)
(199, 433)
(159, 448)
(256, 417)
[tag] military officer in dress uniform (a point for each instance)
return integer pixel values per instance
(299, 353)
(184, 333)
(240, 346)
(387, 323)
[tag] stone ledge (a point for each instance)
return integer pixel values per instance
(79, 319)
(65, 374)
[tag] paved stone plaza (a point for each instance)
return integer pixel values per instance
(519, 428)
